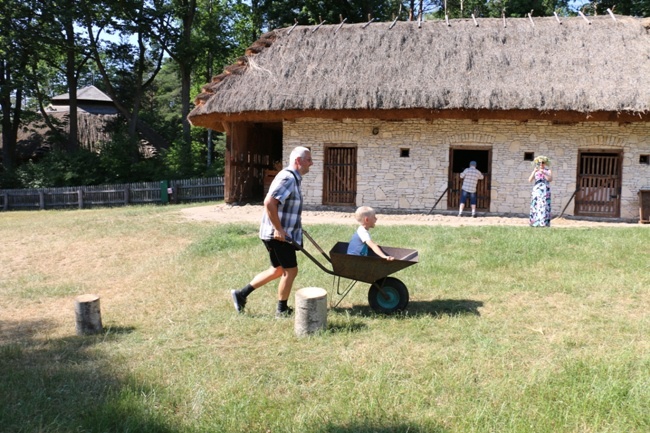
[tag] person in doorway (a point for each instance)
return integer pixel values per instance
(281, 223)
(540, 202)
(361, 241)
(470, 177)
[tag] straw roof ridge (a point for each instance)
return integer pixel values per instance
(239, 67)
(575, 64)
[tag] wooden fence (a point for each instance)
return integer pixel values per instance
(85, 197)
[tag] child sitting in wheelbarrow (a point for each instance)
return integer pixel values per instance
(361, 240)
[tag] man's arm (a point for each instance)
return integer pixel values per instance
(271, 206)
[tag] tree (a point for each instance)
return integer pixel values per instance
(128, 66)
(497, 8)
(222, 31)
(639, 8)
(273, 14)
(65, 50)
(17, 21)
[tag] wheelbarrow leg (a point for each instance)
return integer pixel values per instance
(345, 291)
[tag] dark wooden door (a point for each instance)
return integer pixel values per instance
(599, 185)
(340, 176)
(458, 161)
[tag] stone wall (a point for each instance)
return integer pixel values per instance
(385, 180)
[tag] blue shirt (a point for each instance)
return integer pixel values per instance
(286, 189)
(357, 245)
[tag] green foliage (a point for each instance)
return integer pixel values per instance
(182, 162)
(118, 162)
(121, 162)
(638, 8)
(59, 168)
(282, 14)
(162, 103)
(511, 8)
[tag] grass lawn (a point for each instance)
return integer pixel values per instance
(509, 329)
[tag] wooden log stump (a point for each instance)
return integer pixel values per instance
(88, 315)
(311, 311)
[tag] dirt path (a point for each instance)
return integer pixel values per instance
(223, 213)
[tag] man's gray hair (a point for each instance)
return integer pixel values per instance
(297, 152)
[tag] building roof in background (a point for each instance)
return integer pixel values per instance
(86, 94)
(597, 64)
(89, 99)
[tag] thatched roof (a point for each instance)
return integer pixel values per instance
(539, 64)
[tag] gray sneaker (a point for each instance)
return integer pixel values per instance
(238, 301)
(284, 313)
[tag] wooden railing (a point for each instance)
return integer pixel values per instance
(84, 197)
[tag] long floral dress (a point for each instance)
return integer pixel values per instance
(540, 203)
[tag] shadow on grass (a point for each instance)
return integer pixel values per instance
(446, 307)
(335, 326)
(66, 384)
(438, 307)
(388, 428)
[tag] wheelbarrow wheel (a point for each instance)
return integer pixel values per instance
(388, 295)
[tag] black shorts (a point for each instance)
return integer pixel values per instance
(281, 254)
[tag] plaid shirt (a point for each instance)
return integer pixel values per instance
(471, 177)
(286, 189)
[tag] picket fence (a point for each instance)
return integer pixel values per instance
(85, 197)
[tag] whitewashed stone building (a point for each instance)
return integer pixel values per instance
(393, 112)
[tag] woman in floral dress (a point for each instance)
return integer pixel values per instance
(540, 203)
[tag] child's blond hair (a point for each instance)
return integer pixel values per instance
(363, 212)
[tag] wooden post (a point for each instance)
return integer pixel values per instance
(311, 311)
(41, 199)
(88, 315)
(80, 198)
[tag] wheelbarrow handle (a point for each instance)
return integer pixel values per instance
(308, 236)
(299, 247)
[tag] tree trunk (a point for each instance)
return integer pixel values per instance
(71, 76)
(9, 123)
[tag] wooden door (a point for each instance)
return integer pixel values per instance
(459, 159)
(340, 176)
(599, 185)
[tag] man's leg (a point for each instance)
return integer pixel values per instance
(267, 276)
(284, 290)
(472, 202)
(239, 296)
(286, 282)
(463, 197)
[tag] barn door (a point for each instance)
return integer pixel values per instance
(599, 185)
(340, 176)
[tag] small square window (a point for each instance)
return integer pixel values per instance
(529, 156)
(644, 159)
(404, 153)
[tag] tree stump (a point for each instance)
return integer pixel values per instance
(311, 311)
(88, 315)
